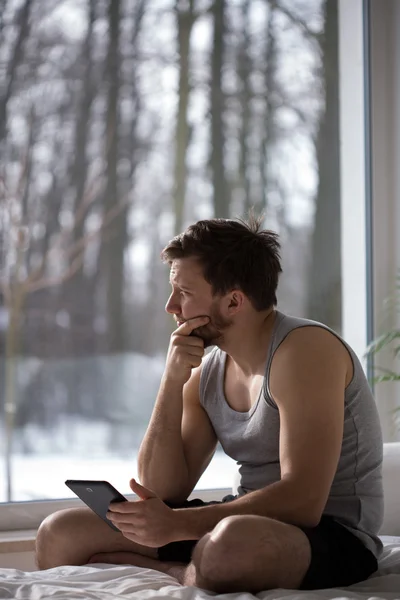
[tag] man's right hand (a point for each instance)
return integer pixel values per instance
(185, 351)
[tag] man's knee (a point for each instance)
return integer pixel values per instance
(252, 553)
(234, 555)
(50, 536)
(55, 525)
(213, 556)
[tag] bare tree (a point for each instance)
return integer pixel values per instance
(112, 255)
(133, 143)
(3, 5)
(324, 273)
(80, 160)
(16, 59)
(268, 126)
(245, 95)
(185, 18)
(324, 303)
(33, 131)
(17, 284)
(221, 200)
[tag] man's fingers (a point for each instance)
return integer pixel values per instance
(121, 522)
(123, 507)
(196, 351)
(188, 340)
(141, 491)
(188, 326)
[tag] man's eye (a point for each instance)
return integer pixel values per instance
(185, 293)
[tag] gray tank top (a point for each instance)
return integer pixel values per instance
(252, 439)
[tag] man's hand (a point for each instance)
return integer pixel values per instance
(148, 521)
(185, 351)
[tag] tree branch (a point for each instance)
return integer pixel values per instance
(76, 250)
(313, 36)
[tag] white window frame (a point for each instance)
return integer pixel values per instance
(385, 140)
(28, 515)
(353, 180)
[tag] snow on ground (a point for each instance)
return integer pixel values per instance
(40, 477)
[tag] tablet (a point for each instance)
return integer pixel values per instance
(97, 495)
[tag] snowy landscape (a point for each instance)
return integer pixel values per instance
(42, 477)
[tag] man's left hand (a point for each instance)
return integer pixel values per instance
(148, 521)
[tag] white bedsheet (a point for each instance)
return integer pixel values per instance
(109, 582)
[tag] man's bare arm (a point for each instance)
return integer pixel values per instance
(180, 441)
(308, 387)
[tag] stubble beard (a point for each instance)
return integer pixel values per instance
(212, 334)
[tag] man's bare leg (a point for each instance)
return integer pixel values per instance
(73, 536)
(249, 553)
(263, 554)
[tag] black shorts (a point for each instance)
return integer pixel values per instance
(338, 558)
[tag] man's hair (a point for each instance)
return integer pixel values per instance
(234, 254)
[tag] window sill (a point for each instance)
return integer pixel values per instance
(19, 517)
(17, 541)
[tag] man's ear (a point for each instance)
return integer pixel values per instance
(235, 302)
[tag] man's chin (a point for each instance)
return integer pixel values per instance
(209, 339)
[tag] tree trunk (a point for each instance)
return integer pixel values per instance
(268, 127)
(25, 216)
(3, 4)
(244, 72)
(185, 20)
(15, 61)
(220, 188)
(137, 24)
(324, 302)
(28, 165)
(77, 289)
(11, 364)
(79, 166)
(114, 242)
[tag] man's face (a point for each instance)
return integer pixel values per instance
(192, 297)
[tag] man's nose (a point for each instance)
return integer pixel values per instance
(172, 307)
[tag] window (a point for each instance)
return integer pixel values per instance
(121, 123)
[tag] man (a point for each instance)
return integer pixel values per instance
(286, 398)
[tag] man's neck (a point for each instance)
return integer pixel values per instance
(247, 344)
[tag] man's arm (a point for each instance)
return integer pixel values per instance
(179, 441)
(307, 383)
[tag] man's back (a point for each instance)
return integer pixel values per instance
(252, 438)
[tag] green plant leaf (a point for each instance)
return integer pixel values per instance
(382, 378)
(391, 303)
(383, 341)
(386, 371)
(387, 375)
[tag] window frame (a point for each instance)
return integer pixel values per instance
(356, 264)
(384, 57)
(354, 258)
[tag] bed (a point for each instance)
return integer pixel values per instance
(109, 582)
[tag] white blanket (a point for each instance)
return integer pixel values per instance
(111, 582)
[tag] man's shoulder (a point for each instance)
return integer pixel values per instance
(295, 321)
(293, 330)
(299, 336)
(311, 334)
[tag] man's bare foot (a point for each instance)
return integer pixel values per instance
(174, 569)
